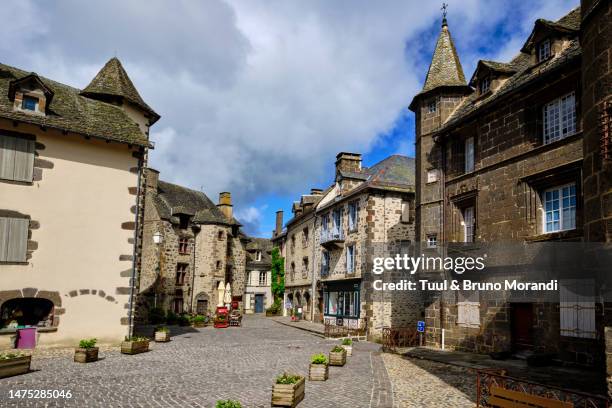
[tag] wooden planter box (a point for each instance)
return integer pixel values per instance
(318, 372)
(162, 337)
(15, 366)
(349, 350)
(288, 395)
(337, 358)
(85, 355)
(200, 324)
(134, 347)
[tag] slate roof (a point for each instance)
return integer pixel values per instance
(262, 244)
(570, 23)
(526, 73)
(72, 112)
(394, 172)
(445, 68)
(112, 80)
(172, 199)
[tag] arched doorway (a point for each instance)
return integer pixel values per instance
(201, 303)
(306, 306)
(27, 311)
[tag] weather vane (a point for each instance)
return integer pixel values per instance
(444, 9)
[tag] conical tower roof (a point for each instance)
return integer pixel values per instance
(445, 68)
(113, 81)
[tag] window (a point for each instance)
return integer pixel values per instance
(262, 278)
(544, 50)
(405, 211)
(341, 303)
(468, 224)
(325, 264)
(218, 264)
(220, 235)
(177, 305)
(305, 234)
(183, 246)
(181, 272)
(16, 158)
(469, 154)
(305, 266)
(292, 270)
(432, 175)
(13, 239)
(577, 308)
(560, 118)
(432, 106)
(258, 256)
(183, 221)
(404, 247)
(560, 208)
(350, 259)
(352, 216)
(484, 85)
(432, 241)
(29, 311)
(292, 243)
(468, 308)
(29, 103)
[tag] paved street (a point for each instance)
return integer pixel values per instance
(201, 366)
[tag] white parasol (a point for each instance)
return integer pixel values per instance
(228, 294)
(220, 293)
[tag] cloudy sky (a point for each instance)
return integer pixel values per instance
(257, 97)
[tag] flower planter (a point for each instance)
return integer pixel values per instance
(85, 355)
(162, 336)
(200, 324)
(318, 372)
(15, 366)
(134, 347)
(349, 350)
(288, 395)
(337, 358)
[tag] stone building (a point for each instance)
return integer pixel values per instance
(366, 213)
(500, 159)
(258, 292)
(71, 162)
(299, 256)
(190, 247)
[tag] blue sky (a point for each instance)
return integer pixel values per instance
(257, 97)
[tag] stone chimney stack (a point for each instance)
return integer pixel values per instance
(348, 162)
(316, 191)
(225, 205)
(151, 179)
(279, 223)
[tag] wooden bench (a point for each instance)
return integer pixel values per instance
(504, 398)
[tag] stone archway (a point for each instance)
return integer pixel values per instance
(29, 304)
(201, 303)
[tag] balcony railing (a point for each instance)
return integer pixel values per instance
(332, 235)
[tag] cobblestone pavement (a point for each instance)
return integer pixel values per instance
(422, 383)
(198, 368)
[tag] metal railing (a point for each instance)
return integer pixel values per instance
(332, 330)
(332, 235)
(394, 337)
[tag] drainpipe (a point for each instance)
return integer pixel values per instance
(135, 246)
(193, 272)
(314, 269)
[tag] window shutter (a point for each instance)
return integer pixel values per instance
(24, 159)
(577, 308)
(7, 157)
(405, 211)
(18, 239)
(4, 238)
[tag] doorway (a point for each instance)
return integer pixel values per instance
(522, 326)
(202, 307)
(259, 303)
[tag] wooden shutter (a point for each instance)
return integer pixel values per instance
(577, 308)
(24, 159)
(4, 238)
(7, 157)
(18, 239)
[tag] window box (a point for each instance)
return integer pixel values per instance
(318, 372)
(337, 357)
(86, 355)
(288, 395)
(14, 365)
(135, 346)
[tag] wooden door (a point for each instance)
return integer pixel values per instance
(522, 326)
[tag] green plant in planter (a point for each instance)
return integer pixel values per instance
(183, 320)
(163, 329)
(136, 338)
(8, 356)
(347, 342)
(228, 404)
(87, 343)
(318, 359)
(171, 317)
(199, 319)
(337, 349)
(288, 378)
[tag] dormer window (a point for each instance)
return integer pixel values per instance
(484, 85)
(29, 103)
(544, 50)
(432, 106)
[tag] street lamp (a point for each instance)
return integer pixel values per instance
(158, 238)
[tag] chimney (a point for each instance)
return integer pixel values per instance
(348, 162)
(225, 205)
(151, 179)
(316, 191)
(279, 223)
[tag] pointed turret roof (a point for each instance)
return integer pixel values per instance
(445, 68)
(113, 81)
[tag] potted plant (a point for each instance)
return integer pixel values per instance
(14, 364)
(319, 370)
(228, 404)
(337, 356)
(288, 390)
(87, 351)
(347, 344)
(162, 335)
(134, 345)
(199, 321)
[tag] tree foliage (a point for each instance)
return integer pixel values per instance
(278, 274)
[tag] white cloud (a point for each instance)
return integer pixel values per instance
(257, 97)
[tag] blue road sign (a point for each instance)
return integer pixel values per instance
(421, 326)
